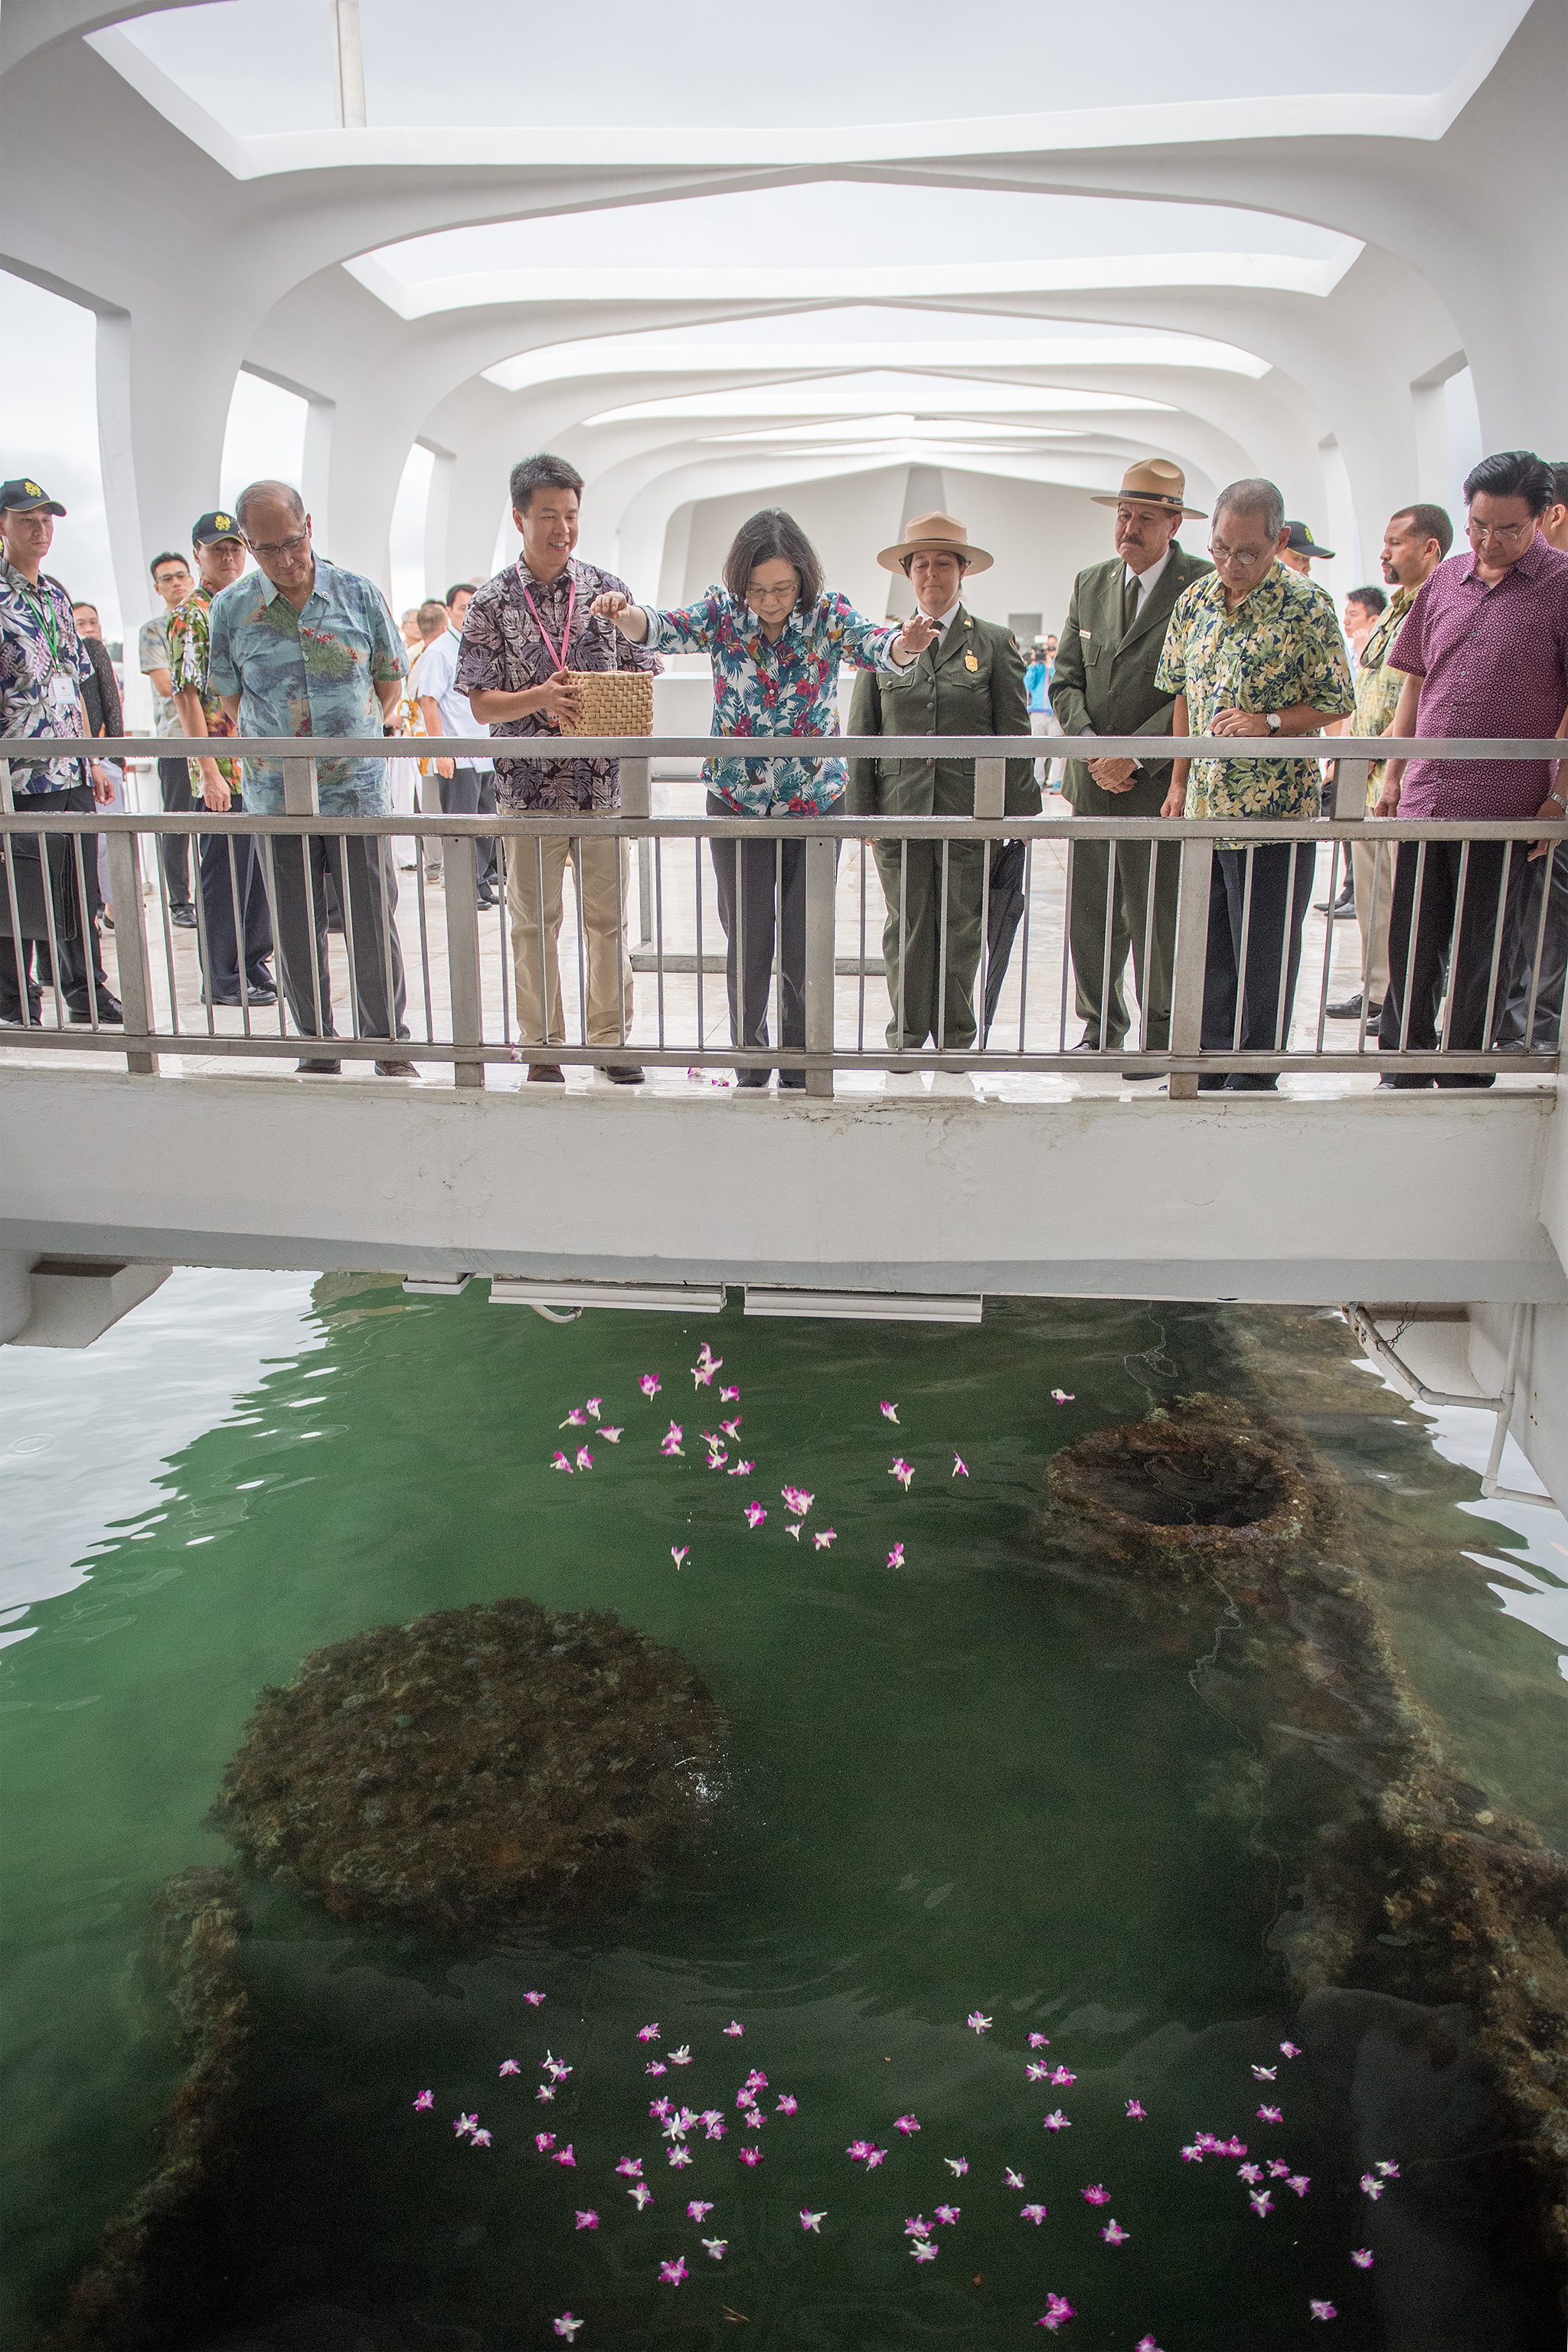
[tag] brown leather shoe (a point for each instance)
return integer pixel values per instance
(549, 1073)
(318, 1069)
(396, 1070)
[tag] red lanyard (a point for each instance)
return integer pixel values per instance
(558, 658)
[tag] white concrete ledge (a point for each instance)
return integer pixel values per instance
(1255, 1199)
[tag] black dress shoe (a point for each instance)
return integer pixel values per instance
(1402, 1082)
(488, 898)
(109, 1014)
(316, 1069)
(1343, 905)
(263, 996)
(794, 1079)
(752, 1077)
(1350, 1009)
(183, 919)
(624, 1074)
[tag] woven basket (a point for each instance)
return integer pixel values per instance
(613, 702)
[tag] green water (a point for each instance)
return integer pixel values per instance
(963, 1783)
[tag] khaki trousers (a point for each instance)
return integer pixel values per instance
(602, 875)
(1373, 859)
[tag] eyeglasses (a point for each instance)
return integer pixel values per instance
(785, 595)
(1224, 555)
(265, 550)
(1510, 531)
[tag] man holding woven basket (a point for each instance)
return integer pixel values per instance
(526, 636)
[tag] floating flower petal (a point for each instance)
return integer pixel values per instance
(533, 1999)
(1064, 2074)
(1261, 2202)
(1320, 2310)
(478, 2139)
(510, 2066)
(917, 2226)
(649, 1384)
(948, 2213)
(734, 2029)
(923, 2251)
(729, 1396)
(755, 1514)
(464, 2124)
(610, 1436)
(896, 1556)
(1300, 2181)
(788, 2104)
(584, 1459)
(888, 1411)
(1371, 2186)
(1056, 2121)
(959, 1466)
(1362, 2258)
(427, 2099)
(825, 1538)
(903, 1472)
(681, 2057)
(542, 2140)
(1058, 2311)
(957, 2165)
(742, 1470)
(1062, 1396)
(681, 2156)
(811, 2222)
(631, 2166)
(589, 2220)
(1271, 2115)
(564, 2155)
(560, 1463)
(1098, 2195)
(714, 2248)
(1291, 2048)
(976, 2023)
(1137, 2113)
(640, 2194)
(647, 2034)
(1035, 2213)
(905, 2124)
(680, 1554)
(751, 2155)
(1039, 2041)
(1014, 2180)
(700, 2208)
(1389, 2171)
(567, 2327)
(673, 2273)
(1114, 2234)
(1264, 2074)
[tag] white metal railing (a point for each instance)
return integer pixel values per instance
(458, 964)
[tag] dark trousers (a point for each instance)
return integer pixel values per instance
(1518, 965)
(470, 791)
(1274, 915)
(221, 886)
(762, 887)
(932, 966)
(301, 865)
(174, 784)
(25, 964)
(1424, 952)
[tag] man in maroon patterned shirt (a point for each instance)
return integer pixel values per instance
(1485, 652)
(522, 633)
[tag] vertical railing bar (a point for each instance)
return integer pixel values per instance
(345, 901)
(1151, 883)
(1378, 863)
(84, 917)
(269, 885)
(582, 942)
(861, 1010)
(1285, 948)
(622, 951)
(503, 938)
(940, 1041)
(204, 944)
(778, 944)
(982, 1029)
(21, 954)
(47, 870)
(1410, 948)
(228, 842)
(1243, 953)
(543, 972)
(1454, 945)
(1024, 960)
(1328, 938)
(162, 883)
(306, 843)
(423, 938)
(903, 927)
(1066, 944)
(379, 847)
(659, 929)
(1105, 958)
(1497, 945)
(701, 975)
(1539, 939)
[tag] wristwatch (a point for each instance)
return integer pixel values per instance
(1272, 721)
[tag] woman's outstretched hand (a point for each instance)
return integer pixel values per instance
(611, 605)
(917, 634)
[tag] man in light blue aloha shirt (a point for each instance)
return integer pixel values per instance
(304, 648)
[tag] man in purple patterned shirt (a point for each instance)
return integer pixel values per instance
(1485, 652)
(522, 633)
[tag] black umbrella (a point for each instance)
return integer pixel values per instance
(1004, 913)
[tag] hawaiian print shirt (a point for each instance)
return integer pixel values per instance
(504, 652)
(310, 673)
(1377, 683)
(1281, 646)
(186, 633)
(152, 653)
(43, 666)
(787, 688)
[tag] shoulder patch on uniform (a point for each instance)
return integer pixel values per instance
(1086, 633)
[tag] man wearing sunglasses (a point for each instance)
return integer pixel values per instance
(302, 647)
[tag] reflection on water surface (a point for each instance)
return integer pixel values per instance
(974, 1784)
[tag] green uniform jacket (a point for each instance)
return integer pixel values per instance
(941, 695)
(1099, 683)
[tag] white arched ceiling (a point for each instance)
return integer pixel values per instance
(1356, 250)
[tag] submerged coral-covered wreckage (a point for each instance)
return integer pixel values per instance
(480, 1770)
(1415, 1911)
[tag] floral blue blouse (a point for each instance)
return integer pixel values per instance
(785, 688)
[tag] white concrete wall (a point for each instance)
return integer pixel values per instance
(1248, 1199)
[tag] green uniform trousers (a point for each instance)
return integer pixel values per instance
(938, 989)
(1101, 910)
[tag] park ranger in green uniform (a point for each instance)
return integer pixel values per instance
(1103, 684)
(969, 682)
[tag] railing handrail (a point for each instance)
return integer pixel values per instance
(27, 750)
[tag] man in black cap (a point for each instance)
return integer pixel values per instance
(43, 669)
(231, 867)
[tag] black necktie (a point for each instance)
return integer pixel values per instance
(1130, 601)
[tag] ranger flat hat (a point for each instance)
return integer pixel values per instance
(942, 533)
(1158, 483)
(1301, 542)
(208, 529)
(22, 497)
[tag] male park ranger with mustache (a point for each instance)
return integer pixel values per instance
(1103, 684)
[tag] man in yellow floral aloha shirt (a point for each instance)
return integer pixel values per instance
(1251, 651)
(1414, 544)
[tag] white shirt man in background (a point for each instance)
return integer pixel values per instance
(467, 786)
